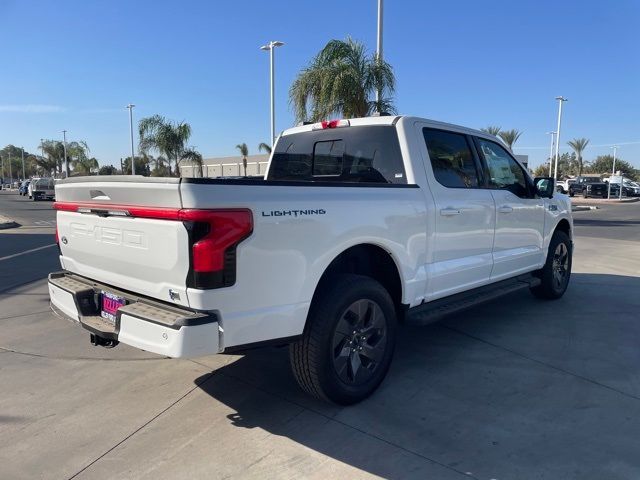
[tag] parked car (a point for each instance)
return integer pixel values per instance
(24, 188)
(563, 185)
(588, 186)
(627, 191)
(43, 188)
(347, 236)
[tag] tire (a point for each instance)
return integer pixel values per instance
(584, 194)
(556, 272)
(348, 342)
(571, 193)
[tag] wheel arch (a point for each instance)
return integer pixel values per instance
(564, 226)
(369, 260)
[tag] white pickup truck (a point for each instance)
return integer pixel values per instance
(358, 226)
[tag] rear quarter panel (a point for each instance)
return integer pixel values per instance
(280, 264)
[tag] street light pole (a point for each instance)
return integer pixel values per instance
(270, 47)
(379, 48)
(561, 100)
(23, 174)
(613, 172)
(10, 172)
(551, 151)
(66, 162)
(133, 163)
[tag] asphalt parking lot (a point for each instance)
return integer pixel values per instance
(516, 389)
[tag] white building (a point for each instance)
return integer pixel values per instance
(226, 167)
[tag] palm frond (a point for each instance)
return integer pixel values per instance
(491, 130)
(509, 137)
(264, 147)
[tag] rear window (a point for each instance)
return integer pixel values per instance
(369, 154)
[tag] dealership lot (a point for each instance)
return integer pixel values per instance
(517, 388)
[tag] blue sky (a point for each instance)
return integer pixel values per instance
(74, 65)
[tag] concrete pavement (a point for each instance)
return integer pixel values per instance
(516, 389)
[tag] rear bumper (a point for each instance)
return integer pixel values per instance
(142, 323)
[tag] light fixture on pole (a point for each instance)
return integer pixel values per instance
(66, 162)
(270, 47)
(133, 163)
(23, 174)
(561, 100)
(379, 48)
(551, 151)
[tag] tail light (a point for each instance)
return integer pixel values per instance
(330, 124)
(215, 234)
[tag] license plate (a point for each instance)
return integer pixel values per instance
(110, 304)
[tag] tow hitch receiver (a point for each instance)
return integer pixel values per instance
(97, 340)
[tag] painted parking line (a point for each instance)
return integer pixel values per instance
(27, 251)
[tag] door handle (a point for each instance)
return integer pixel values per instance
(448, 212)
(505, 209)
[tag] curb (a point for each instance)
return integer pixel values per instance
(7, 223)
(582, 208)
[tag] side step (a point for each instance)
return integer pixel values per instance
(438, 309)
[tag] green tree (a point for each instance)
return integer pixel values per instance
(342, 80)
(53, 156)
(244, 151)
(161, 166)
(142, 166)
(603, 164)
(108, 170)
(168, 138)
(491, 130)
(510, 137)
(264, 147)
(85, 166)
(578, 145)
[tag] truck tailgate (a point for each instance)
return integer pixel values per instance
(99, 239)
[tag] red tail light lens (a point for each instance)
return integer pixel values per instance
(218, 233)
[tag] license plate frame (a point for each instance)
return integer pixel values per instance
(109, 305)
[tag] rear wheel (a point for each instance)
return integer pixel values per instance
(347, 346)
(557, 269)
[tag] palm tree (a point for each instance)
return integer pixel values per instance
(578, 145)
(85, 166)
(264, 146)
(195, 158)
(53, 156)
(167, 137)
(78, 156)
(509, 137)
(244, 151)
(341, 80)
(491, 130)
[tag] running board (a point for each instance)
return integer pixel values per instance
(438, 309)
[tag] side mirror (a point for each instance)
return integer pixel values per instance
(544, 186)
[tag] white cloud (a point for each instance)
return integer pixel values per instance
(32, 108)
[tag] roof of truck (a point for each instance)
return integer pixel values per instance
(391, 120)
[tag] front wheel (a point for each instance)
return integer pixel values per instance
(348, 342)
(557, 269)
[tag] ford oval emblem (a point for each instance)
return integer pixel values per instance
(64, 240)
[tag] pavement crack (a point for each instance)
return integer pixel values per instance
(159, 414)
(540, 362)
(54, 357)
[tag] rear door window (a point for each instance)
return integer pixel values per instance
(451, 158)
(362, 154)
